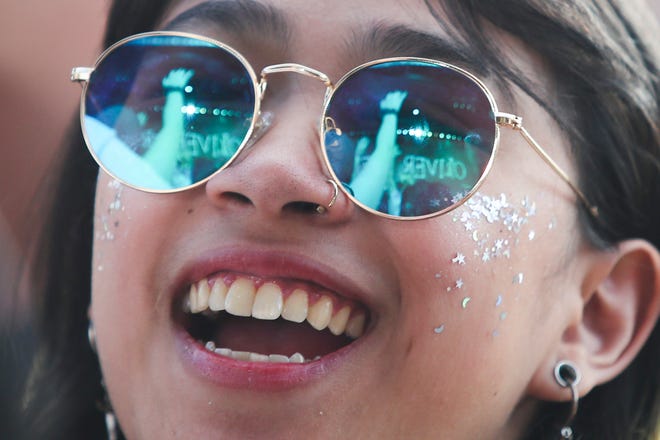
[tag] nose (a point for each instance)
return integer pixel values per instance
(283, 174)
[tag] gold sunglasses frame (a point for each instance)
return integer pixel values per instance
(83, 75)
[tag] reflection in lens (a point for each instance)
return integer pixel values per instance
(164, 112)
(415, 137)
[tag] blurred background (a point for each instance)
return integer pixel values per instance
(39, 43)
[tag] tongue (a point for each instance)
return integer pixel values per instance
(275, 337)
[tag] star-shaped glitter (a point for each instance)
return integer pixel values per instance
(459, 258)
(459, 283)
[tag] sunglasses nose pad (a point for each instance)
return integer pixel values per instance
(264, 121)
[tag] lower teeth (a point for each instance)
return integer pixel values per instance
(296, 358)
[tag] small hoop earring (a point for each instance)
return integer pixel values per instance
(323, 209)
(568, 375)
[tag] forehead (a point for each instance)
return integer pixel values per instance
(359, 31)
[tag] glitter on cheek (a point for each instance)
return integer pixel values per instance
(496, 226)
(502, 315)
(518, 279)
(107, 220)
(439, 329)
(481, 211)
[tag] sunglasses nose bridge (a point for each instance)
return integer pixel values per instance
(294, 68)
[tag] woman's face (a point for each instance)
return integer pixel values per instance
(460, 311)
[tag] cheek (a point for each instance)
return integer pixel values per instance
(128, 230)
(115, 262)
(482, 276)
(471, 296)
(128, 226)
(121, 255)
(488, 267)
(110, 296)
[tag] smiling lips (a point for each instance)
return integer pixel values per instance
(275, 310)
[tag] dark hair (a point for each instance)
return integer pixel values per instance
(604, 73)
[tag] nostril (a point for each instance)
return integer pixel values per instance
(301, 207)
(238, 198)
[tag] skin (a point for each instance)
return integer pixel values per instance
(406, 379)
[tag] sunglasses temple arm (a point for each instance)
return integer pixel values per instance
(515, 122)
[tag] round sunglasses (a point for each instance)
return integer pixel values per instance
(404, 138)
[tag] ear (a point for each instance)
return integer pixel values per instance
(620, 298)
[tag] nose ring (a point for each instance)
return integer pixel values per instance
(323, 209)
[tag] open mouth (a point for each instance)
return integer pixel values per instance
(250, 319)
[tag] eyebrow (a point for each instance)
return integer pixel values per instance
(246, 17)
(384, 40)
(378, 40)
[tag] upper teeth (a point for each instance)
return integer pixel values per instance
(242, 298)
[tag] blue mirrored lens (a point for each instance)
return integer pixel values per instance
(163, 112)
(409, 138)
